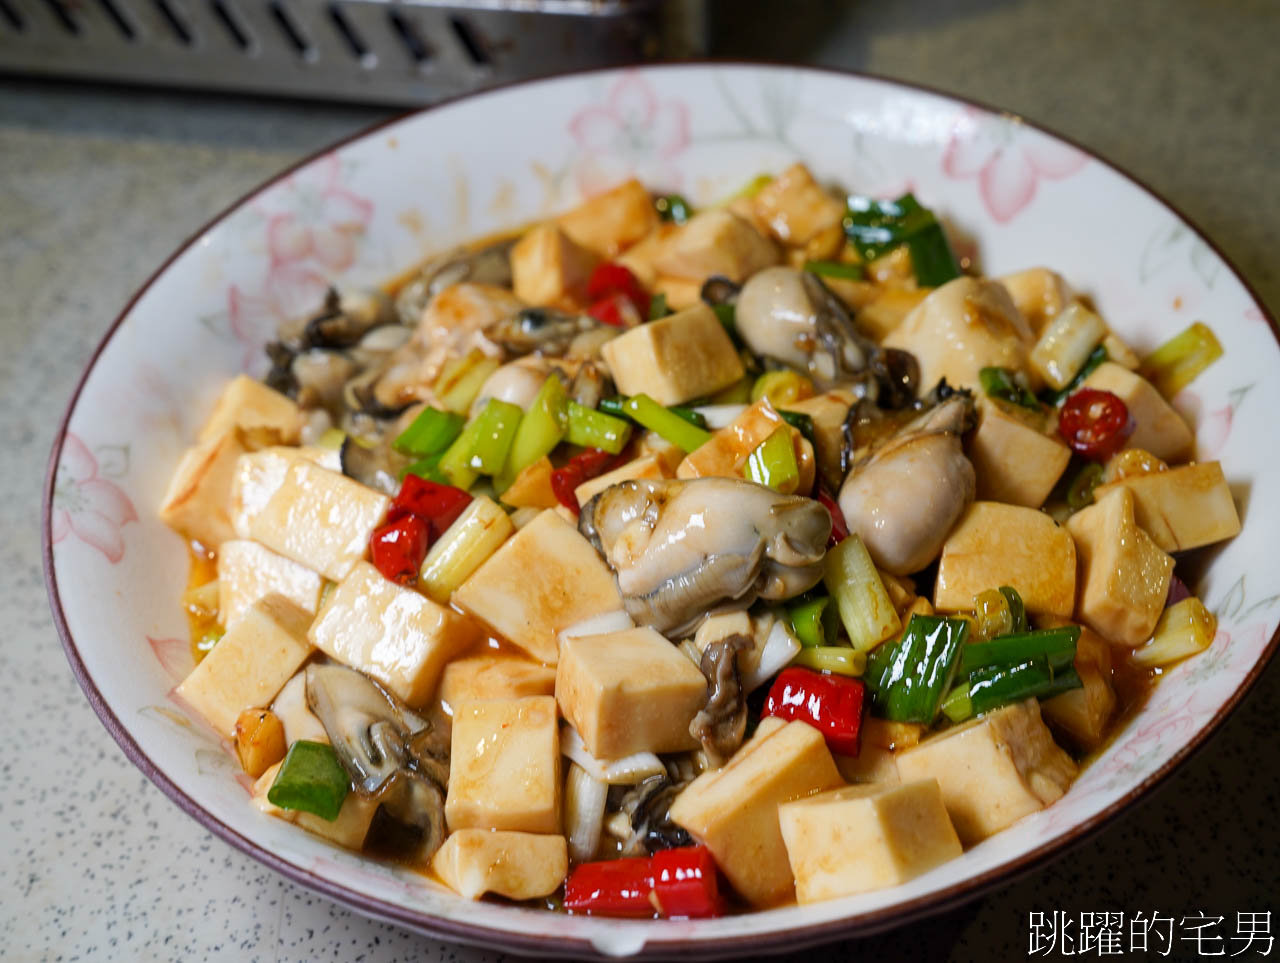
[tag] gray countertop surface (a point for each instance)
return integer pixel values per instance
(98, 185)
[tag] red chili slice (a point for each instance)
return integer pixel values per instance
(831, 704)
(581, 467)
(610, 279)
(839, 527)
(686, 884)
(398, 548)
(439, 505)
(1095, 423)
(615, 887)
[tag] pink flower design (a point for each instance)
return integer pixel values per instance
(1006, 164)
(632, 133)
(174, 656)
(91, 508)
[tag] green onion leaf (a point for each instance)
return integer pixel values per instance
(835, 269)
(800, 422)
(1080, 491)
(311, 780)
(908, 678)
(673, 424)
(1056, 398)
(773, 463)
(836, 659)
(1000, 685)
(494, 432)
(1057, 645)
(1017, 609)
(673, 207)
(430, 433)
(540, 430)
(594, 429)
(816, 621)
(1179, 361)
(1000, 383)
(876, 227)
(658, 306)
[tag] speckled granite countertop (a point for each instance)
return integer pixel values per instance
(97, 186)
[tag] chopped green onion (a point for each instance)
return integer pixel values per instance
(618, 408)
(463, 547)
(461, 379)
(311, 780)
(835, 269)
(673, 207)
(1184, 629)
(1000, 383)
(332, 438)
(1017, 608)
(866, 611)
(540, 430)
(430, 433)
(455, 464)
(815, 621)
(876, 227)
(991, 616)
(495, 430)
(998, 685)
(658, 306)
(1080, 491)
(837, 659)
(427, 468)
(594, 429)
(728, 316)
(1057, 645)
(782, 387)
(957, 706)
(738, 393)
(1056, 398)
(1179, 361)
(800, 422)
(773, 463)
(908, 678)
(667, 422)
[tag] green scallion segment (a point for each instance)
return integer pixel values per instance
(835, 269)
(908, 678)
(430, 433)
(728, 316)
(658, 307)
(540, 430)
(427, 468)
(999, 685)
(816, 622)
(1058, 646)
(1179, 361)
(837, 659)
(800, 422)
(957, 706)
(667, 422)
(673, 208)
(1017, 608)
(773, 463)
(495, 431)
(1000, 383)
(1080, 491)
(1096, 357)
(311, 780)
(454, 466)
(594, 429)
(876, 227)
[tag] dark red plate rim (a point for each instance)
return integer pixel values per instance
(790, 939)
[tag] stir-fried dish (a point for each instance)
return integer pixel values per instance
(660, 562)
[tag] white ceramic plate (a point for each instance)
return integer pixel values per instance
(372, 207)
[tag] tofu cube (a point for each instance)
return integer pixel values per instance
(397, 636)
(1039, 294)
(250, 663)
(862, 838)
(1081, 715)
(887, 309)
(734, 811)
(494, 675)
(995, 544)
(504, 769)
(673, 360)
(993, 770)
(519, 866)
(873, 764)
(646, 466)
(1184, 507)
(1158, 428)
(716, 242)
(250, 405)
(628, 692)
(609, 223)
(680, 294)
(639, 258)
(796, 208)
(198, 502)
(1124, 574)
(248, 571)
(349, 829)
(548, 268)
(543, 579)
(316, 517)
(1013, 461)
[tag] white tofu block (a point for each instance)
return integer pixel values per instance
(995, 544)
(198, 502)
(1157, 427)
(348, 830)
(873, 764)
(646, 466)
(1184, 507)
(250, 663)
(993, 770)
(734, 811)
(1124, 574)
(627, 692)
(255, 408)
(317, 518)
(796, 207)
(678, 358)
(397, 636)
(862, 838)
(248, 571)
(519, 866)
(1012, 461)
(716, 242)
(543, 579)
(1039, 294)
(495, 675)
(547, 267)
(613, 221)
(504, 771)
(290, 707)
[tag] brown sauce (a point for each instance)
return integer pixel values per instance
(202, 625)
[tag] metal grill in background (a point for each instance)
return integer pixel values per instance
(364, 50)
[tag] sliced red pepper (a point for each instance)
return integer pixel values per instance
(686, 884)
(398, 548)
(839, 527)
(1095, 423)
(832, 704)
(611, 278)
(438, 505)
(614, 887)
(617, 310)
(584, 466)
